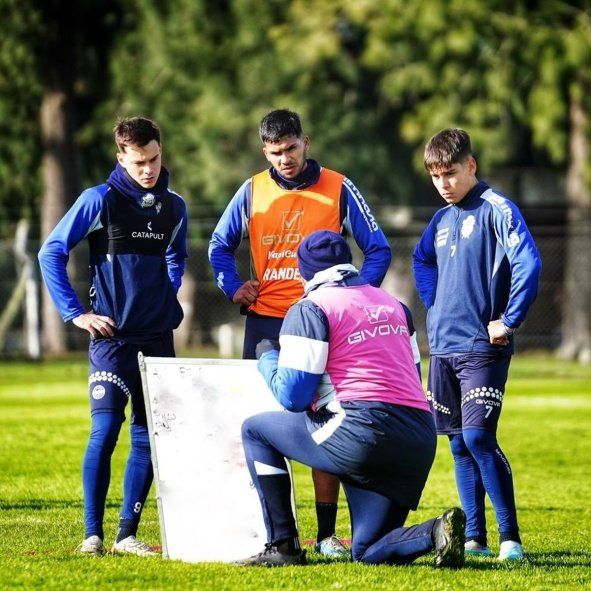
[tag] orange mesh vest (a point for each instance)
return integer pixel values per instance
(279, 221)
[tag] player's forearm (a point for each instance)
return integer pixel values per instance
(176, 270)
(521, 297)
(225, 272)
(425, 282)
(221, 252)
(53, 269)
(377, 261)
(424, 266)
(370, 238)
(293, 389)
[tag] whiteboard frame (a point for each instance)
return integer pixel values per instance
(143, 366)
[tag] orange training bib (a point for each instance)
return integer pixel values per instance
(279, 220)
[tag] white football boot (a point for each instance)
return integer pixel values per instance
(131, 545)
(511, 551)
(92, 546)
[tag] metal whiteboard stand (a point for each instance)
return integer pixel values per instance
(208, 508)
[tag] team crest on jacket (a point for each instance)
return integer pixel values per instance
(468, 226)
(148, 200)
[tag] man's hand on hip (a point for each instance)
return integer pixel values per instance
(247, 293)
(97, 326)
(497, 333)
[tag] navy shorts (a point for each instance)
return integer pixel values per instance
(115, 375)
(385, 448)
(467, 391)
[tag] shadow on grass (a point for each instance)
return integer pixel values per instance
(559, 558)
(532, 560)
(45, 504)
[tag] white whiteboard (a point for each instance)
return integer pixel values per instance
(208, 507)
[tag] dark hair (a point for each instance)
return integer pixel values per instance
(446, 148)
(279, 124)
(135, 131)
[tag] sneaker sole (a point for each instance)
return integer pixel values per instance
(252, 562)
(336, 555)
(486, 554)
(510, 558)
(93, 554)
(128, 553)
(452, 556)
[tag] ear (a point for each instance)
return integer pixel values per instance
(266, 154)
(472, 165)
(306, 143)
(120, 158)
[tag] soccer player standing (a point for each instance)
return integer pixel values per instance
(136, 229)
(476, 270)
(276, 209)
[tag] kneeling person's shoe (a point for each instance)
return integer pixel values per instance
(332, 547)
(511, 551)
(131, 545)
(449, 538)
(474, 548)
(92, 546)
(274, 556)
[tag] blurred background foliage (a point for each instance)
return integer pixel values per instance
(372, 80)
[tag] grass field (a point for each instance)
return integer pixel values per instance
(545, 431)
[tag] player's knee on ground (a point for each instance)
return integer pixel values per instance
(358, 550)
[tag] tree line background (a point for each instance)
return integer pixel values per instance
(372, 80)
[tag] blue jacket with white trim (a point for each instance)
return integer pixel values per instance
(137, 242)
(358, 221)
(475, 262)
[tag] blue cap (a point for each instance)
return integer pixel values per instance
(320, 250)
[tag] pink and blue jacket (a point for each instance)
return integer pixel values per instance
(345, 341)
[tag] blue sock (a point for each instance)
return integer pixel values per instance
(497, 479)
(269, 474)
(136, 483)
(276, 492)
(96, 469)
(470, 489)
(326, 517)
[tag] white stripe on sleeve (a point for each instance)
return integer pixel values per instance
(303, 354)
(415, 348)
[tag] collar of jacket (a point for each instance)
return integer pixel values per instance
(306, 178)
(478, 189)
(124, 184)
(335, 275)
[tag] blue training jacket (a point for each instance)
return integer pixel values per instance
(475, 262)
(358, 221)
(137, 242)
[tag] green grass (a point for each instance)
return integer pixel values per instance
(545, 431)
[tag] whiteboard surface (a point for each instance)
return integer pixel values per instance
(208, 507)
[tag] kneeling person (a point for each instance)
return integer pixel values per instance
(347, 373)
